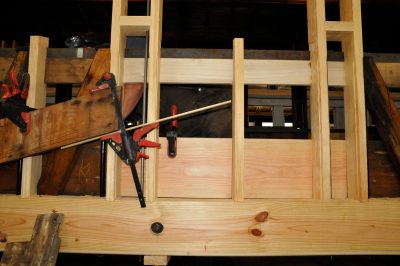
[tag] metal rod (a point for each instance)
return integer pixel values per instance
(172, 117)
(144, 98)
(103, 168)
(19, 176)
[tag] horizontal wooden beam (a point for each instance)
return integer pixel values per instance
(213, 227)
(273, 168)
(59, 125)
(71, 65)
(219, 71)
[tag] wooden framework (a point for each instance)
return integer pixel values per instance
(320, 223)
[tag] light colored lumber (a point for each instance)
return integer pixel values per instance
(156, 260)
(134, 25)
(337, 30)
(219, 71)
(153, 104)
(32, 166)
(213, 227)
(278, 168)
(319, 105)
(238, 120)
(338, 169)
(273, 168)
(117, 53)
(354, 103)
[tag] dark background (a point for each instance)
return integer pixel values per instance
(265, 24)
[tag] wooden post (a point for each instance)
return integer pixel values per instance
(354, 101)
(319, 104)
(238, 120)
(122, 26)
(153, 105)
(117, 51)
(32, 166)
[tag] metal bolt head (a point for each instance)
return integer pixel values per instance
(157, 227)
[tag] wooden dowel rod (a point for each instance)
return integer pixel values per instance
(208, 107)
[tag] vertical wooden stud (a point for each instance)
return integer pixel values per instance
(319, 108)
(32, 166)
(117, 51)
(153, 106)
(354, 103)
(238, 120)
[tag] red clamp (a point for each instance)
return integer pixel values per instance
(138, 141)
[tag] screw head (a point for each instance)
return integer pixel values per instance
(157, 227)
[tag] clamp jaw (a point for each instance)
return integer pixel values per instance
(13, 101)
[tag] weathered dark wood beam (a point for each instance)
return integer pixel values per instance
(383, 110)
(60, 167)
(59, 125)
(42, 249)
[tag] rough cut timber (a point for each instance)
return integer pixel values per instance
(44, 247)
(383, 110)
(58, 171)
(59, 125)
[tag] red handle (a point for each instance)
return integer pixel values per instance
(174, 111)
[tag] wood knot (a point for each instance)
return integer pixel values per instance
(256, 232)
(261, 217)
(3, 237)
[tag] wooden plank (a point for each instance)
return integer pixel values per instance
(319, 105)
(383, 111)
(213, 227)
(338, 169)
(153, 104)
(273, 169)
(59, 125)
(354, 103)
(219, 71)
(278, 168)
(59, 163)
(67, 70)
(65, 60)
(32, 166)
(238, 107)
(42, 249)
